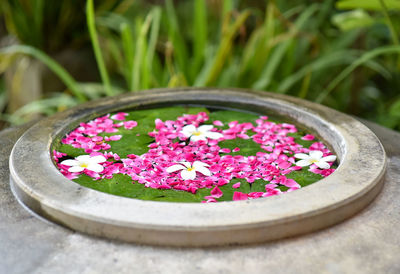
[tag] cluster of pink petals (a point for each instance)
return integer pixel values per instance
(86, 135)
(170, 147)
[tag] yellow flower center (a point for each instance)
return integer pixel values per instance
(83, 165)
(190, 168)
(196, 133)
(313, 161)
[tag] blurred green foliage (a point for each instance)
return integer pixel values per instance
(344, 54)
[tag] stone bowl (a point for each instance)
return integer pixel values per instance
(38, 185)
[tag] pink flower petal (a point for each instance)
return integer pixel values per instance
(218, 123)
(237, 185)
(291, 183)
(119, 116)
(115, 137)
(237, 196)
(216, 192)
(308, 137)
(225, 150)
(130, 124)
(284, 165)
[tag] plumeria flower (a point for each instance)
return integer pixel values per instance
(314, 157)
(83, 162)
(189, 170)
(201, 133)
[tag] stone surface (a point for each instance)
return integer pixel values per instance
(366, 243)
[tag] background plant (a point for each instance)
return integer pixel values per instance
(344, 54)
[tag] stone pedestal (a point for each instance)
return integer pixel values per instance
(368, 242)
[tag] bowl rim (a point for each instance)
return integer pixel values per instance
(38, 184)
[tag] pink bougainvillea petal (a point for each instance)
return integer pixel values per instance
(115, 137)
(120, 116)
(291, 183)
(225, 150)
(216, 192)
(130, 124)
(237, 196)
(237, 185)
(308, 137)
(218, 123)
(284, 165)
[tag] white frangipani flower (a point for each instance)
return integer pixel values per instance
(201, 133)
(314, 157)
(85, 162)
(189, 170)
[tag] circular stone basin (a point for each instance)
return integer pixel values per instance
(38, 184)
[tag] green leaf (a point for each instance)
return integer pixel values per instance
(64, 76)
(225, 48)
(352, 19)
(122, 185)
(176, 37)
(367, 4)
(70, 150)
(128, 47)
(324, 62)
(131, 144)
(199, 35)
(258, 186)
(228, 190)
(152, 43)
(247, 146)
(258, 48)
(297, 137)
(90, 17)
(304, 177)
(278, 53)
(229, 116)
(363, 59)
(395, 109)
(166, 113)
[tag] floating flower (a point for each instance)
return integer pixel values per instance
(83, 162)
(201, 133)
(315, 157)
(189, 170)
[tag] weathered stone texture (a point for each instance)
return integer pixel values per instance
(367, 243)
